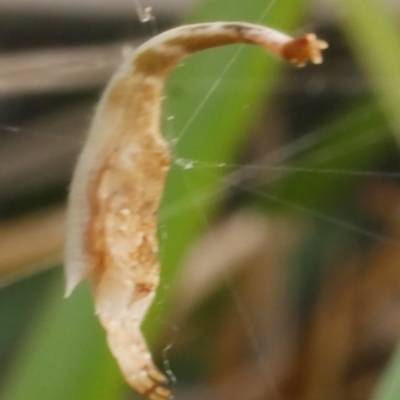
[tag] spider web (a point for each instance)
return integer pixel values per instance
(273, 162)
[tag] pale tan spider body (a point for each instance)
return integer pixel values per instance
(119, 181)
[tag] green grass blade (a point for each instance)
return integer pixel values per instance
(374, 36)
(389, 387)
(65, 356)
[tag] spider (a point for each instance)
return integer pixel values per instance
(119, 180)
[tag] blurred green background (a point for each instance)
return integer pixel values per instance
(279, 228)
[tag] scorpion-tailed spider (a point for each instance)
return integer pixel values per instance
(119, 181)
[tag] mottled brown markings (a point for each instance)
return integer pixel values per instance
(144, 288)
(240, 29)
(152, 161)
(95, 230)
(145, 254)
(119, 98)
(119, 94)
(156, 62)
(207, 40)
